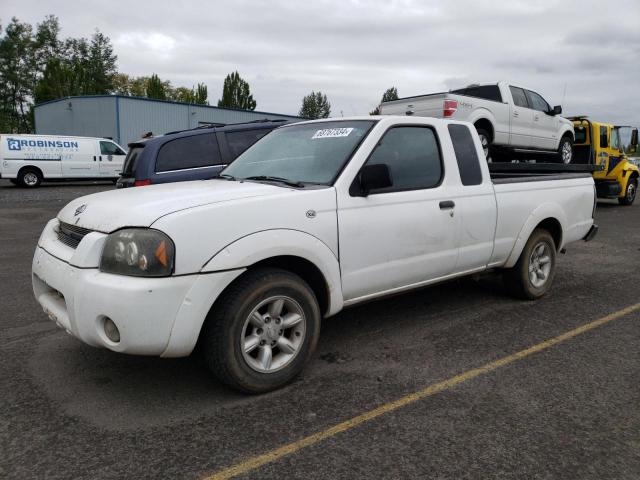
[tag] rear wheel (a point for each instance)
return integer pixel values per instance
(261, 331)
(29, 178)
(630, 192)
(485, 140)
(532, 275)
(565, 150)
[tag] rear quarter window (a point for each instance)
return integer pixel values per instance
(466, 155)
(488, 92)
(241, 140)
(188, 152)
(131, 160)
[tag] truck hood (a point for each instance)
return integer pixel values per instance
(141, 206)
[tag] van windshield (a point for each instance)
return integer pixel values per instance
(308, 153)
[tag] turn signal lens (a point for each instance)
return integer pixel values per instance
(161, 253)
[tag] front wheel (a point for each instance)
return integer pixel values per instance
(565, 150)
(532, 275)
(630, 192)
(29, 178)
(261, 332)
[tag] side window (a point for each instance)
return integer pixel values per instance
(413, 157)
(537, 102)
(243, 139)
(615, 141)
(488, 92)
(110, 148)
(519, 98)
(604, 138)
(188, 152)
(466, 155)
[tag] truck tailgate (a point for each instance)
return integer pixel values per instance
(422, 106)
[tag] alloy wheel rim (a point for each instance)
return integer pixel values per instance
(540, 264)
(566, 152)
(30, 179)
(485, 145)
(273, 334)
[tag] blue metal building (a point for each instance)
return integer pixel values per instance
(125, 119)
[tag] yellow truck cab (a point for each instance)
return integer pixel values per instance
(601, 144)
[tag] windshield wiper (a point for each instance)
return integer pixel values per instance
(290, 183)
(226, 176)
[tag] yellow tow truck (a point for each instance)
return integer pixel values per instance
(601, 144)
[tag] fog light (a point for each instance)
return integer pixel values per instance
(111, 330)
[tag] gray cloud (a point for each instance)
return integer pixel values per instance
(573, 51)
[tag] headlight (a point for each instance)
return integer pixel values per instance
(139, 252)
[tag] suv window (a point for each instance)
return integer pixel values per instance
(413, 157)
(241, 140)
(131, 160)
(189, 152)
(110, 148)
(466, 155)
(604, 140)
(488, 92)
(519, 98)
(537, 102)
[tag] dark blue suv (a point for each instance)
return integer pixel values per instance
(196, 154)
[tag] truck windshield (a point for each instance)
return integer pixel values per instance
(308, 153)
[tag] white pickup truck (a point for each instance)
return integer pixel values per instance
(314, 217)
(512, 122)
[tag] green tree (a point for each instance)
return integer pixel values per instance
(236, 93)
(156, 88)
(315, 105)
(389, 95)
(184, 94)
(101, 65)
(200, 95)
(18, 71)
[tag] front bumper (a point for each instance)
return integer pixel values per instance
(155, 316)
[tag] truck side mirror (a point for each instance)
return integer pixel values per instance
(371, 177)
(634, 137)
(557, 110)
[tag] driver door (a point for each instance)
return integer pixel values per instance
(403, 234)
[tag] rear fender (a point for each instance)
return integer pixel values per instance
(542, 212)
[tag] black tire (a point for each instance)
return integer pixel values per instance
(224, 329)
(565, 157)
(485, 140)
(29, 177)
(517, 279)
(630, 192)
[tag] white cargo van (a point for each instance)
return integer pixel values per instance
(27, 160)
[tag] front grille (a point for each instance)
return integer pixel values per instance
(71, 235)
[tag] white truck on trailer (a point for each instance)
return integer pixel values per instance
(512, 122)
(27, 160)
(314, 217)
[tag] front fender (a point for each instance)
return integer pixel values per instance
(253, 248)
(542, 212)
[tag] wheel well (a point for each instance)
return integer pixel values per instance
(305, 270)
(30, 167)
(567, 134)
(485, 124)
(552, 226)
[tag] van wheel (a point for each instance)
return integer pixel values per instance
(485, 140)
(532, 276)
(630, 193)
(565, 150)
(261, 332)
(29, 178)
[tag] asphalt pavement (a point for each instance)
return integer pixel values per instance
(568, 411)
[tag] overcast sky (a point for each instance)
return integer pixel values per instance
(583, 54)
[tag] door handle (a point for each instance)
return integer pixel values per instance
(100, 158)
(94, 158)
(447, 204)
(536, 118)
(515, 114)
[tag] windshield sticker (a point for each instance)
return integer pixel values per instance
(332, 133)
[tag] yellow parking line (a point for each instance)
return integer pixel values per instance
(268, 457)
